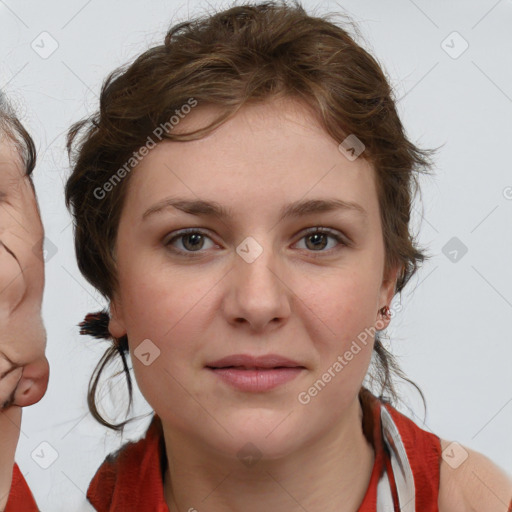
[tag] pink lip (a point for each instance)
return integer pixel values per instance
(256, 380)
(255, 374)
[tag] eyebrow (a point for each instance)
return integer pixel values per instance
(293, 210)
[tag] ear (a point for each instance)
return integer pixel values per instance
(386, 294)
(116, 324)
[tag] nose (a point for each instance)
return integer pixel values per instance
(259, 294)
(33, 383)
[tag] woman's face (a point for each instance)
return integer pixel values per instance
(252, 282)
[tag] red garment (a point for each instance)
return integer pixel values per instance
(132, 478)
(423, 451)
(20, 497)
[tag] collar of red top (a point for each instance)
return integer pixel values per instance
(131, 479)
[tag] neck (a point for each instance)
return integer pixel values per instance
(330, 474)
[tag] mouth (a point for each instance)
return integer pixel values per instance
(255, 374)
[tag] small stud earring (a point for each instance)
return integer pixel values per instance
(385, 311)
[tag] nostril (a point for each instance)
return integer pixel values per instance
(33, 383)
(29, 392)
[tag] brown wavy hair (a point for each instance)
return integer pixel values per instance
(245, 54)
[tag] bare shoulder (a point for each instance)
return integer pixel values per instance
(471, 482)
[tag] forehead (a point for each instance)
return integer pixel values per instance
(264, 154)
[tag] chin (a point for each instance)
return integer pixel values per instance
(267, 438)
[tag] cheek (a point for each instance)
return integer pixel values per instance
(166, 307)
(344, 303)
(12, 283)
(341, 315)
(159, 311)
(158, 300)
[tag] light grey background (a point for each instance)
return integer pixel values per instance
(453, 334)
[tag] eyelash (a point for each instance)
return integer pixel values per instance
(310, 231)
